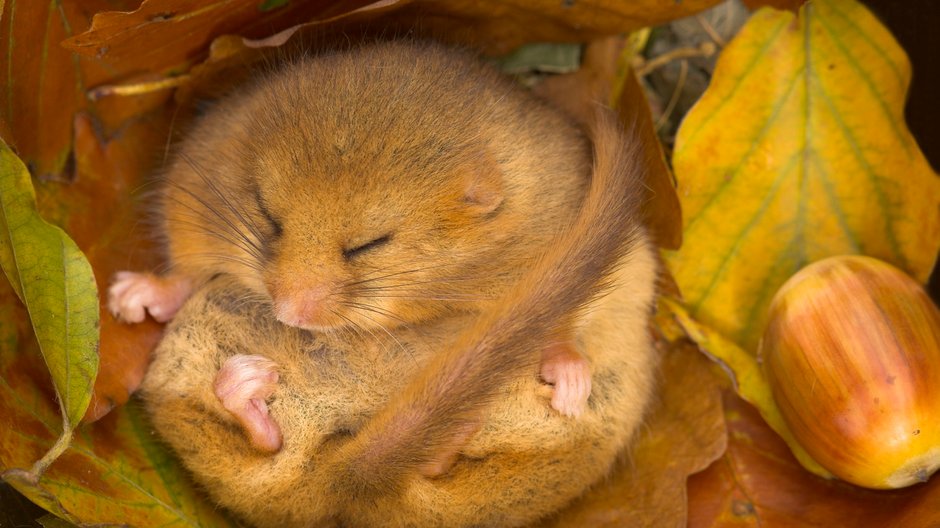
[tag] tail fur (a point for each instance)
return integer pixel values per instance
(445, 401)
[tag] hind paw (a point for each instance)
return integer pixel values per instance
(242, 385)
(569, 372)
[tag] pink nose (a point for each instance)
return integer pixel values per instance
(304, 308)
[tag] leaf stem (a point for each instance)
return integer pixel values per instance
(55, 451)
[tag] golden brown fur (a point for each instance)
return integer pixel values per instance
(474, 180)
(394, 151)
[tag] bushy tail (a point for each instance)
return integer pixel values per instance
(446, 400)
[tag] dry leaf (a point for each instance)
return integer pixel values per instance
(683, 435)
(45, 84)
(746, 376)
(798, 151)
(167, 35)
(498, 27)
(116, 237)
(792, 5)
(759, 483)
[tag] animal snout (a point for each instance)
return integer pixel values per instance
(305, 308)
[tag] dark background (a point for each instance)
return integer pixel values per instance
(916, 25)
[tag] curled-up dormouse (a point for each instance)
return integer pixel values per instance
(417, 295)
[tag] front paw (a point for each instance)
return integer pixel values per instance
(242, 386)
(133, 295)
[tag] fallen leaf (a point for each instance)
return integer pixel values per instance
(171, 35)
(234, 59)
(54, 280)
(798, 151)
(684, 433)
(746, 375)
(661, 210)
(498, 27)
(115, 471)
(759, 483)
(792, 5)
(44, 82)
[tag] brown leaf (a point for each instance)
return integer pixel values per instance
(232, 59)
(662, 211)
(174, 34)
(759, 483)
(791, 5)
(684, 433)
(44, 82)
(498, 27)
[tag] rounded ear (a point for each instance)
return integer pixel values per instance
(483, 182)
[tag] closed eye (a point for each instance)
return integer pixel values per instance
(352, 253)
(275, 225)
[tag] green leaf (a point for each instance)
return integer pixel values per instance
(269, 5)
(52, 277)
(542, 57)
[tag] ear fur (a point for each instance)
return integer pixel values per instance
(484, 185)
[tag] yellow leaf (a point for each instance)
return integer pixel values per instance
(799, 151)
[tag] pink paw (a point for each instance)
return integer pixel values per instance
(133, 295)
(570, 373)
(242, 385)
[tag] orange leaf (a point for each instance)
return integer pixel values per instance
(169, 35)
(43, 82)
(759, 483)
(114, 238)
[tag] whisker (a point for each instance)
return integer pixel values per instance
(359, 328)
(418, 283)
(251, 226)
(219, 235)
(467, 298)
(374, 309)
(210, 257)
(382, 327)
(397, 273)
(243, 241)
(226, 221)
